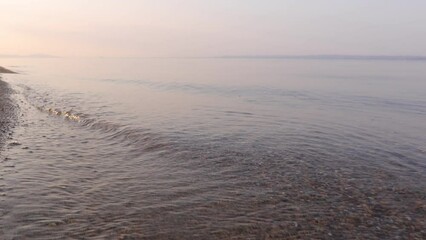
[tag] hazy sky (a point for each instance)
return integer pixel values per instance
(209, 28)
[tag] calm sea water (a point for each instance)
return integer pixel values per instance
(215, 148)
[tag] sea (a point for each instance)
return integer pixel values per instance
(215, 148)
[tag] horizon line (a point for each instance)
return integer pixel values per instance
(250, 56)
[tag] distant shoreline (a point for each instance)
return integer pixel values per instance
(5, 70)
(329, 57)
(27, 56)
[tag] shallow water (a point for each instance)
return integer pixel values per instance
(215, 148)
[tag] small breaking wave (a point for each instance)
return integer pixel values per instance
(142, 139)
(68, 115)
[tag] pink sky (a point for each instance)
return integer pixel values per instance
(164, 28)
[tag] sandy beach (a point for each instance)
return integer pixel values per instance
(5, 70)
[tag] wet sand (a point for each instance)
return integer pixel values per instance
(7, 109)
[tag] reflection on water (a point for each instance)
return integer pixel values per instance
(245, 149)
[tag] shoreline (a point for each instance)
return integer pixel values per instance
(8, 109)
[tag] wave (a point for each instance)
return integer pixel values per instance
(69, 115)
(142, 139)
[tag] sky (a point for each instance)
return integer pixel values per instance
(201, 28)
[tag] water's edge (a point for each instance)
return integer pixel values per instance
(8, 112)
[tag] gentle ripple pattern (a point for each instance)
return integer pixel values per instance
(186, 157)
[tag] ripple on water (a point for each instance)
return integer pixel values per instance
(231, 173)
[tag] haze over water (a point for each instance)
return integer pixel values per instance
(215, 148)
